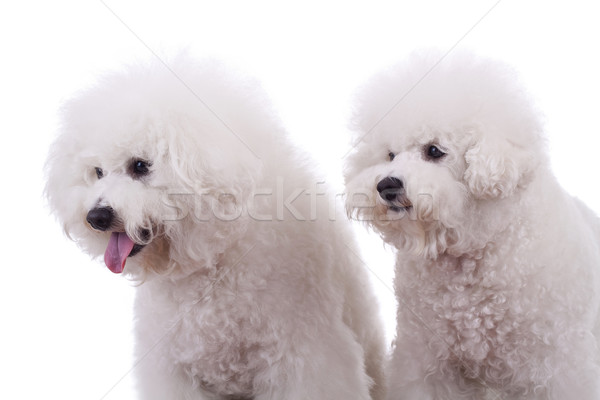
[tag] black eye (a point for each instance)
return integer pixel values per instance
(99, 173)
(391, 156)
(433, 152)
(140, 168)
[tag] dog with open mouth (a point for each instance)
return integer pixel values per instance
(182, 179)
(498, 268)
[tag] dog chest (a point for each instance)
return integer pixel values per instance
(218, 345)
(464, 316)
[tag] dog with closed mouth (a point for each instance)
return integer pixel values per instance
(498, 268)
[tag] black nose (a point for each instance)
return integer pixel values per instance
(389, 188)
(101, 218)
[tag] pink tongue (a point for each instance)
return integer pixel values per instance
(119, 247)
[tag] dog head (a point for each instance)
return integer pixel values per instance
(441, 143)
(145, 168)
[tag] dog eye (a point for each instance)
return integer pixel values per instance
(391, 156)
(99, 173)
(433, 152)
(140, 168)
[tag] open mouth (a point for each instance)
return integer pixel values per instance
(136, 249)
(120, 247)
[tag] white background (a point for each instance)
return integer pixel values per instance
(66, 320)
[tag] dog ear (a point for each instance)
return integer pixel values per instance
(214, 165)
(496, 168)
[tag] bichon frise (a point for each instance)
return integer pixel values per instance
(182, 179)
(497, 273)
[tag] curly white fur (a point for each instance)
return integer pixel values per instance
(248, 289)
(498, 269)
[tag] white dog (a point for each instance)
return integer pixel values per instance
(183, 179)
(497, 273)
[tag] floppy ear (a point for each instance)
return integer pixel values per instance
(215, 165)
(497, 167)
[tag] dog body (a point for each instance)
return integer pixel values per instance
(249, 289)
(498, 269)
